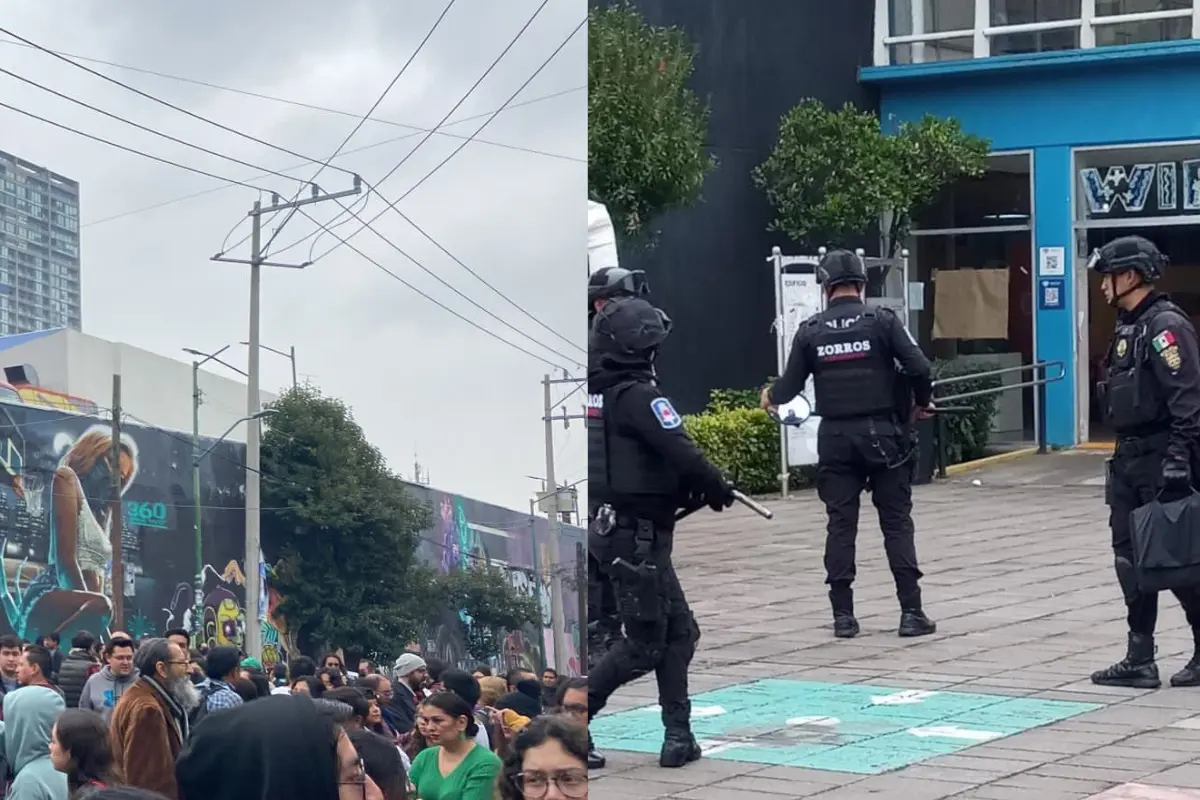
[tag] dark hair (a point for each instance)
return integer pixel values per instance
(335, 676)
(325, 660)
(39, 656)
(184, 632)
(52, 636)
(261, 684)
(551, 670)
(300, 666)
(112, 644)
(484, 670)
(382, 763)
(280, 672)
(456, 707)
(10, 642)
(83, 641)
(435, 667)
(221, 661)
(572, 737)
(351, 697)
(315, 687)
(513, 676)
(567, 685)
(84, 735)
(463, 684)
(245, 689)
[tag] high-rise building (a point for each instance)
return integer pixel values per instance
(39, 248)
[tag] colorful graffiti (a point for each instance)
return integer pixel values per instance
(56, 477)
(466, 531)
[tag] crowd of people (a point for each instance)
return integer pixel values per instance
(153, 719)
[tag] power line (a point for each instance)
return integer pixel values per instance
(392, 140)
(102, 140)
(297, 103)
(436, 302)
(358, 126)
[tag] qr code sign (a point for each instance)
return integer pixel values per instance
(1052, 262)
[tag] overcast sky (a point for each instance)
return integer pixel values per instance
(420, 381)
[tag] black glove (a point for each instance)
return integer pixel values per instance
(1176, 476)
(718, 495)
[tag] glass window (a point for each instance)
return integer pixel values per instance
(932, 16)
(1022, 12)
(1109, 8)
(1137, 183)
(999, 198)
(1155, 30)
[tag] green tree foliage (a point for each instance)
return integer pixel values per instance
(646, 129)
(346, 532)
(485, 597)
(833, 173)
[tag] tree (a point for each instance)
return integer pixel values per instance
(346, 533)
(488, 607)
(646, 129)
(834, 173)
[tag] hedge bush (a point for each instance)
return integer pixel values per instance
(967, 433)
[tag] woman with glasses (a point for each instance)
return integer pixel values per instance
(453, 766)
(548, 762)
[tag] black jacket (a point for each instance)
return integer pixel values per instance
(76, 668)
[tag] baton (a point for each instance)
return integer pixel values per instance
(753, 505)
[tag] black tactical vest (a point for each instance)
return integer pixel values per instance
(1135, 404)
(620, 467)
(853, 374)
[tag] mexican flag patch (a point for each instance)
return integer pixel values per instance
(1163, 341)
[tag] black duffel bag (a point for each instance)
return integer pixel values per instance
(1166, 543)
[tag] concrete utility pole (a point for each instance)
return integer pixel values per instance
(115, 515)
(554, 502)
(256, 262)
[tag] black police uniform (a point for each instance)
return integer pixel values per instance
(642, 467)
(852, 352)
(1152, 402)
(604, 622)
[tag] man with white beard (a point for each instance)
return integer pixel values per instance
(149, 726)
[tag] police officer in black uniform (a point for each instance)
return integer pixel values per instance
(1152, 401)
(604, 623)
(642, 467)
(863, 441)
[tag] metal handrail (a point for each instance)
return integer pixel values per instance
(1038, 383)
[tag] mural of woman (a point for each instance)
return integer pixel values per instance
(71, 593)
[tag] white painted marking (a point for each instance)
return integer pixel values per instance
(951, 732)
(711, 746)
(907, 697)
(822, 722)
(697, 711)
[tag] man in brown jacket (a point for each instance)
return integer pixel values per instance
(149, 726)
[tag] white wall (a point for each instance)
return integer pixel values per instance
(154, 389)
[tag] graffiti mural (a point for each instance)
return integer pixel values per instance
(56, 487)
(466, 532)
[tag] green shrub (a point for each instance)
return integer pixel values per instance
(967, 433)
(728, 399)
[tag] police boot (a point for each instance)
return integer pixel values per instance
(595, 759)
(1190, 674)
(913, 622)
(845, 626)
(679, 748)
(1137, 670)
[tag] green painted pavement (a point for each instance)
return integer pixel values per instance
(837, 727)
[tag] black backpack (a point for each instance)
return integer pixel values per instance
(201, 711)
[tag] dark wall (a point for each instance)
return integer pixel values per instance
(755, 60)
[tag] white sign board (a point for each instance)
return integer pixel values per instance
(801, 296)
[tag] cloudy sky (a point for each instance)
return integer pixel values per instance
(419, 380)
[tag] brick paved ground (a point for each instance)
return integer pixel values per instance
(1019, 577)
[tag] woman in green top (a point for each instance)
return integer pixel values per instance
(453, 767)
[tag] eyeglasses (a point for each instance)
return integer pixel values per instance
(571, 782)
(357, 778)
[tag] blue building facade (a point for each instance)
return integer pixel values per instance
(1112, 137)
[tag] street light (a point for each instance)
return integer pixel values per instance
(290, 355)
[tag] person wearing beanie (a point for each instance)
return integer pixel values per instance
(410, 674)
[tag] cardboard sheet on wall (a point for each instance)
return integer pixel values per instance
(970, 304)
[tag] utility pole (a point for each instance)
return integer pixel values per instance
(115, 517)
(581, 582)
(198, 541)
(553, 509)
(256, 262)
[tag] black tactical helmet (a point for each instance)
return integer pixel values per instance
(840, 267)
(610, 282)
(630, 326)
(1129, 253)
